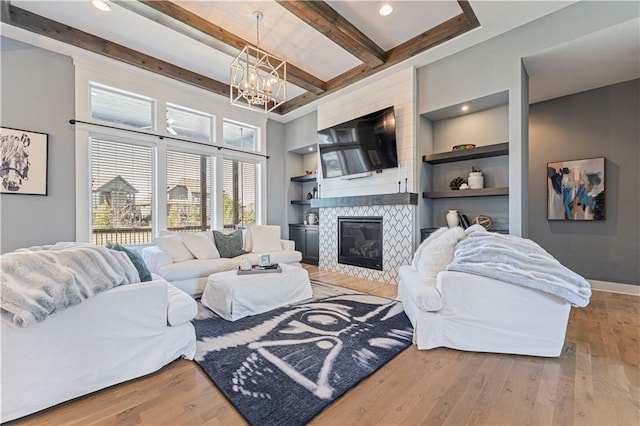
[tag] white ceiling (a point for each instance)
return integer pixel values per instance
(610, 53)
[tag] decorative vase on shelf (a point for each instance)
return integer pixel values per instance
(476, 180)
(452, 218)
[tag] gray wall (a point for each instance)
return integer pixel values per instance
(276, 191)
(38, 95)
(598, 123)
(302, 132)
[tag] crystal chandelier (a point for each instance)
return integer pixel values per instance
(257, 79)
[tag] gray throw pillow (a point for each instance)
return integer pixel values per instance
(136, 259)
(229, 245)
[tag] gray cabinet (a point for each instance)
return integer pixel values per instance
(307, 241)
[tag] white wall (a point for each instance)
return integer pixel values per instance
(398, 91)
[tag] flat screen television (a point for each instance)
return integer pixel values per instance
(362, 145)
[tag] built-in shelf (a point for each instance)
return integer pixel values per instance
(301, 202)
(304, 178)
(468, 154)
(367, 200)
(463, 193)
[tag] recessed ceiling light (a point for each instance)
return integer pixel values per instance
(465, 108)
(102, 5)
(310, 148)
(386, 9)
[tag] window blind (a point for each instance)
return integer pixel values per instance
(239, 193)
(121, 192)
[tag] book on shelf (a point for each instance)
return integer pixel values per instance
(464, 220)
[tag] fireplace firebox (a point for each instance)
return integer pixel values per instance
(360, 241)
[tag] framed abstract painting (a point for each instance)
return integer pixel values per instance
(575, 189)
(23, 167)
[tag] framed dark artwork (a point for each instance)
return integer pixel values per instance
(575, 189)
(23, 169)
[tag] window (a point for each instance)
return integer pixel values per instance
(120, 107)
(188, 191)
(121, 192)
(239, 193)
(129, 186)
(187, 123)
(239, 135)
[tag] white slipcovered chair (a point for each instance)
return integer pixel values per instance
(469, 312)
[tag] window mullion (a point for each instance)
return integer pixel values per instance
(160, 207)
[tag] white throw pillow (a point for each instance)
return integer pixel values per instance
(429, 240)
(173, 245)
(435, 256)
(265, 238)
(201, 245)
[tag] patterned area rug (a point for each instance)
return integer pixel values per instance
(285, 366)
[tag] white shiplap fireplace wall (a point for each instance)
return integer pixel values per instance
(399, 230)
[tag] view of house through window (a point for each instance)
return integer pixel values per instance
(121, 192)
(239, 193)
(123, 180)
(188, 191)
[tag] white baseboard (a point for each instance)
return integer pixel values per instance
(633, 290)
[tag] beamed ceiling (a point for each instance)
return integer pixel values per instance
(327, 45)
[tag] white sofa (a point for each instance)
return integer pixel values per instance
(466, 311)
(190, 273)
(117, 335)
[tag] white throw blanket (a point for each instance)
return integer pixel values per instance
(40, 281)
(519, 261)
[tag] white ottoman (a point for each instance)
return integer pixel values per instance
(234, 296)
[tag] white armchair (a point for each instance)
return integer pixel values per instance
(474, 313)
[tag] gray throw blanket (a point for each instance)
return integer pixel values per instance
(37, 283)
(519, 261)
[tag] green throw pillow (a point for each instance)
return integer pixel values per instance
(136, 259)
(229, 245)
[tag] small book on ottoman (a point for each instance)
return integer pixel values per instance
(257, 269)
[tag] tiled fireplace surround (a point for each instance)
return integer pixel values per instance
(397, 238)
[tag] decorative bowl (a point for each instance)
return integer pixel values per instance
(463, 146)
(310, 172)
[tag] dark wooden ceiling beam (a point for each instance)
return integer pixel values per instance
(198, 28)
(441, 33)
(40, 25)
(323, 18)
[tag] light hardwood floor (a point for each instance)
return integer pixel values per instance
(595, 381)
